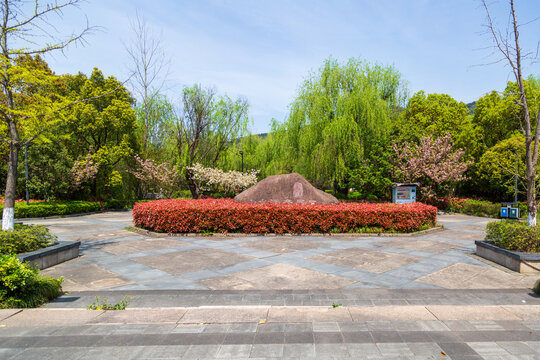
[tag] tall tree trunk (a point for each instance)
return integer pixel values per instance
(8, 215)
(192, 185)
(531, 198)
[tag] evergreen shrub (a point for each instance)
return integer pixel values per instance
(22, 286)
(514, 235)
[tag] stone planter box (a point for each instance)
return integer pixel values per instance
(52, 255)
(526, 263)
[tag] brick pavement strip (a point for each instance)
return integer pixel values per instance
(426, 315)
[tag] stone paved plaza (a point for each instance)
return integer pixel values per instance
(272, 297)
(115, 258)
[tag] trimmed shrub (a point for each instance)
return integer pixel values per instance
(60, 208)
(481, 208)
(25, 238)
(514, 235)
(54, 208)
(536, 287)
(22, 286)
(470, 206)
(226, 215)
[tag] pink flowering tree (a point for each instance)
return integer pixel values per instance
(157, 178)
(84, 170)
(433, 162)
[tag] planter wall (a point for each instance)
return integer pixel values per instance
(52, 255)
(525, 263)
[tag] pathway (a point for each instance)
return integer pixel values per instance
(114, 258)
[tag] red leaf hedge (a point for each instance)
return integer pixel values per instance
(226, 215)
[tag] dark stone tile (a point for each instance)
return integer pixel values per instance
(271, 327)
(473, 336)
(386, 337)
(299, 338)
(239, 338)
(513, 325)
(178, 339)
(456, 349)
(327, 338)
(207, 338)
(357, 337)
(269, 338)
(117, 340)
(414, 336)
(524, 336)
(444, 336)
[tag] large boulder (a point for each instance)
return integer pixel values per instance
(288, 188)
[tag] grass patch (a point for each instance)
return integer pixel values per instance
(22, 286)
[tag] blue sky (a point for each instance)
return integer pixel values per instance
(263, 50)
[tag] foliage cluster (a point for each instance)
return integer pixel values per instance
(22, 286)
(514, 235)
(226, 215)
(217, 180)
(25, 238)
(471, 206)
(345, 127)
(55, 208)
(432, 162)
(38, 209)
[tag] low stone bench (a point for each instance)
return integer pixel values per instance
(52, 255)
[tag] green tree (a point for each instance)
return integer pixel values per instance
(155, 127)
(27, 108)
(336, 119)
(103, 128)
(496, 169)
(498, 116)
(438, 114)
(208, 126)
(507, 44)
(49, 171)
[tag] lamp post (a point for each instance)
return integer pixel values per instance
(516, 177)
(26, 172)
(242, 154)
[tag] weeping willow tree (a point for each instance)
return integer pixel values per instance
(339, 115)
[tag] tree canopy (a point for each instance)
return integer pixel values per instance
(338, 115)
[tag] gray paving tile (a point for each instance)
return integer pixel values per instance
(394, 349)
(164, 352)
(201, 351)
(244, 328)
(267, 351)
(298, 351)
(456, 349)
(326, 327)
(516, 347)
(234, 351)
(488, 348)
(332, 351)
(188, 329)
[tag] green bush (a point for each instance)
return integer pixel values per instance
(514, 235)
(22, 286)
(354, 195)
(481, 208)
(536, 287)
(25, 238)
(54, 208)
(114, 204)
